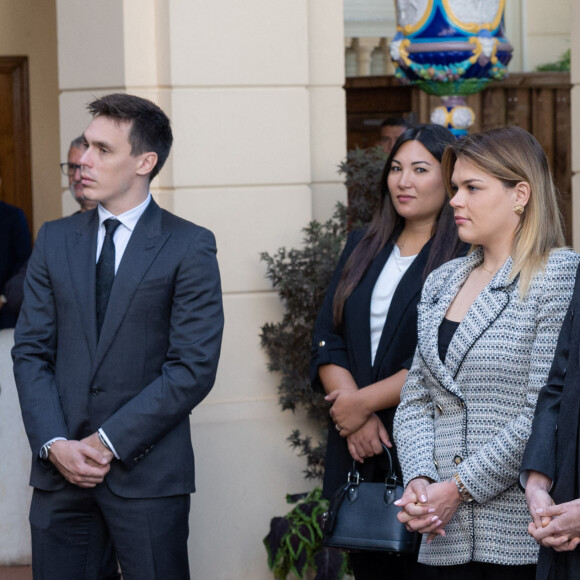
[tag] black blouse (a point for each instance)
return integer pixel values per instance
(446, 331)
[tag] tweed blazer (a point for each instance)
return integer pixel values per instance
(473, 413)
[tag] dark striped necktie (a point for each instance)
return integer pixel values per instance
(105, 271)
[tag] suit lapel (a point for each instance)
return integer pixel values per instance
(145, 243)
(81, 254)
(405, 293)
(482, 313)
(432, 310)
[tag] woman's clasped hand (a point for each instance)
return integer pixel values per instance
(427, 507)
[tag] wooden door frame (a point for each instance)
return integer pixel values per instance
(21, 196)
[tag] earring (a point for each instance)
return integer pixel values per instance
(518, 209)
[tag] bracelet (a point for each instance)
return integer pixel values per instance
(464, 494)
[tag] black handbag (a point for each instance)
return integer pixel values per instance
(362, 515)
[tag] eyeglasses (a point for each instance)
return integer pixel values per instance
(69, 169)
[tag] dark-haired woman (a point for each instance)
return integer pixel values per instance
(365, 334)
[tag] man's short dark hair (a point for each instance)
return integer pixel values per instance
(396, 122)
(150, 126)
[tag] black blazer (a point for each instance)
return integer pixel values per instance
(156, 358)
(350, 347)
(553, 447)
(15, 248)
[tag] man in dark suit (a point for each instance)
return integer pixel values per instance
(72, 169)
(118, 340)
(15, 248)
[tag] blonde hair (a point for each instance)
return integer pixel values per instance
(512, 155)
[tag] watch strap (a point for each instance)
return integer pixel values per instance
(464, 494)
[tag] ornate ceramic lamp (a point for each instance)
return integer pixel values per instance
(451, 48)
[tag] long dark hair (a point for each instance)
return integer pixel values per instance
(387, 221)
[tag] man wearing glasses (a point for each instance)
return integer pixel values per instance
(72, 170)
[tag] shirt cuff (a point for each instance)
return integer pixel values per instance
(524, 475)
(109, 444)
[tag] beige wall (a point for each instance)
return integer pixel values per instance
(548, 27)
(27, 28)
(539, 32)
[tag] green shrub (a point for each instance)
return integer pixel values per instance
(301, 278)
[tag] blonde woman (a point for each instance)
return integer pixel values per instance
(487, 331)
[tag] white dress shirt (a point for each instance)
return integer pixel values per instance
(123, 232)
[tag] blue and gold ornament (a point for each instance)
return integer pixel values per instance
(451, 48)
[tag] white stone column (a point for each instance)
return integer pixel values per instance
(364, 48)
(327, 105)
(388, 63)
(15, 492)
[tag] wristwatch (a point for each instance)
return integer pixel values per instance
(45, 450)
(464, 494)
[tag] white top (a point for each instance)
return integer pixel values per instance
(383, 292)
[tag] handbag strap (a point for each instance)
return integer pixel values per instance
(390, 479)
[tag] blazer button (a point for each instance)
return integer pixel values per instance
(321, 343)
(94, 392)
(457, 459)
(439, 407)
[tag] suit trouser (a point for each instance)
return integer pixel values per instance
(71, 529)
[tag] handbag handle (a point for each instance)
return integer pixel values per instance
(390, 479)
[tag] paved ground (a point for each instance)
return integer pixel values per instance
(16, 573)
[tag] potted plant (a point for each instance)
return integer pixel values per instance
(294, 543)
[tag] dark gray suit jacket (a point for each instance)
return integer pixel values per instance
(155, 361)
